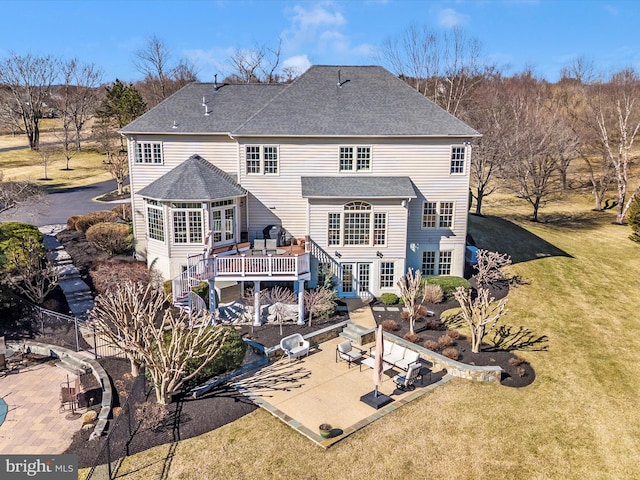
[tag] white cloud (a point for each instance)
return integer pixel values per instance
(319, 30)
(449, 18)
(299, 64)
(209, 62)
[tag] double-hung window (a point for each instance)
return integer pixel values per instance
(436, 262)
(355, 159)
(437, 215)
(458, 154)
(262, 159)
(155, 222)
(386, 274)
(148, 152)
(357, 224)
(187, 222)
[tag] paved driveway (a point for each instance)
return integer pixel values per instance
(59, 206)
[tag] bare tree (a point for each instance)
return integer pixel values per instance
(153, 62)
(536, 139)
(78, 101)
(410, 289)
(280, 300)
(613, 113)
(256, 65)
(132, 317)
(45, 153)
(106, 136)
(444, 67)
(490, 267)
(481, 313)
(28, 80)
(118, 166)
(29, 271)
(320, 302)
(14, 194)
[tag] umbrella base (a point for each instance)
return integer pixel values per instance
(376, 402)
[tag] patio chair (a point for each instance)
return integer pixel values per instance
(258, 247)
(271, 246)
(69, 394)
(406, 381)
(347, 352)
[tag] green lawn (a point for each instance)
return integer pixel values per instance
(579, 419)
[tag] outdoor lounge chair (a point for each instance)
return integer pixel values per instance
(347, 352)
(406, 381)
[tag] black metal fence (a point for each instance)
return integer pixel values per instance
(122, 440)
(67, 331)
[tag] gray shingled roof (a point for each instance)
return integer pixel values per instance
(194, 179)
(372, 102)
(357, 187)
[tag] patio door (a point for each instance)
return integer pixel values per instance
(356, 279)
(223, 225)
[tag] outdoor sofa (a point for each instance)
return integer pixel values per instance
(294, 346)
(397, 355)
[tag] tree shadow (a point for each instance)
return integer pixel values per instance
(497, 234)
(509, 339)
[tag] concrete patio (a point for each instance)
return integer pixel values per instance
(317, 389)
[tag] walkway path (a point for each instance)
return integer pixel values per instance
(76, 291)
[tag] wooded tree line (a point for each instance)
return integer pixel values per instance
(533, 130)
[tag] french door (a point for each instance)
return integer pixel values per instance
(356, 279)
(223, 225)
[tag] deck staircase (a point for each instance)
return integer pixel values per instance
(358, 334)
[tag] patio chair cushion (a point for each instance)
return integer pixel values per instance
(408, 379)
(294, 346)
(346, 352)
(410, 357)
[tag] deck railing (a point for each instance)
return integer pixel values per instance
(200, 268)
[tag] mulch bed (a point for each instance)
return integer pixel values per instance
(187, 417)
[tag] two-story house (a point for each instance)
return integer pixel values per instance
(370, 173)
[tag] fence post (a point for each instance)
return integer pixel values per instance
(109, 457)
(95, 343)
(77, 339)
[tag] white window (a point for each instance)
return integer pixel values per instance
(187, 222)
(155, 223)
(435, 262)
(458, 155)
(437, 215)
(262, 159)
(357, 225)
(355, 159)
(148, 152)
(386, 274)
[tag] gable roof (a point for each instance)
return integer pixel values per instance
(194, 179)
(357, 187)
(370, 102)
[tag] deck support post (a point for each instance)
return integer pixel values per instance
(300, 302)
(256, 304)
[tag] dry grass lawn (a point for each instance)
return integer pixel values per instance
(580, 418)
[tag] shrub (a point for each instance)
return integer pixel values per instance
(404, 316)
(202, 290)
(108, 273)
(71, 222)
(389, 298)
(445, 341)
(229, 359)
(521, 371)
(431, 345)
(89, 416)
(85, 221)
(124, 212)
(151, 415)
(167, 286)
(433, 293)
(432, 324)
(515, 361)
(390, 325)
(451, 353)
(411, 337)
(13, 236)
(110, 237)
(448, 284)
(454, 334)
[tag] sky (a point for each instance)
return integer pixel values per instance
(515, 35)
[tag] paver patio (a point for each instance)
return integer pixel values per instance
(33, 424)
